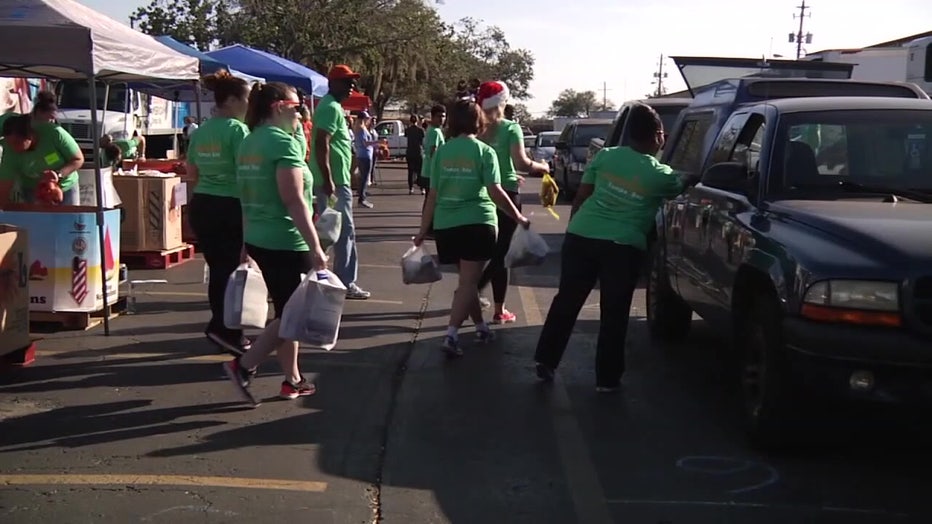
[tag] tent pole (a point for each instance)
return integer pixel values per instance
(197, 100)
(103, 113)
(98, 177)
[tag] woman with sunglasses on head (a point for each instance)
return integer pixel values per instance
(507, 139)
(275, 193)
(606, 239)
(215, 212)
(34, 149)
(464, 192)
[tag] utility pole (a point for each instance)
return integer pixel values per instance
(799, 36)
(659, 76)
(604, 95)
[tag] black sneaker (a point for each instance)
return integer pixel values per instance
(236, 345)
(544, 372)
(241, 379)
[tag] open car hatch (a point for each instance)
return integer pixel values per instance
(699, 72)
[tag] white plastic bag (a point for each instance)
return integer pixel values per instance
(313, 313)
(527, 249)
(419, 267)
(329, 226)
(246, 300)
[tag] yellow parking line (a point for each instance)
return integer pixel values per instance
(163, 480)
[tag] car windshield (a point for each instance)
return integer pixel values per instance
(668, 115)
(586, 133)
(529, 141)
(845, 150)
(547, 140)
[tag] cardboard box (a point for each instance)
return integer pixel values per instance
(14, 288)
(153, 212)
(63, 265)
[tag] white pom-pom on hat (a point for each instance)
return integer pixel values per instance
(492, 94)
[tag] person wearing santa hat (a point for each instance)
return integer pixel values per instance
(507, 139)
(464, 194)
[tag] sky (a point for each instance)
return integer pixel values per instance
(617, 45)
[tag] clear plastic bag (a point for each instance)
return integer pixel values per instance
(246, 299)
(419, 267)
(313, 313)
(329, 226)
(527, 249)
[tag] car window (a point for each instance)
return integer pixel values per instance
(616, 136)
(529, 141)
(688, 149)
(546, 140)
(725, 145)
(748, 145)
(384, 128)
(587, 132)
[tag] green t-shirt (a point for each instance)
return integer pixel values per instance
(629, 189)
(53, 148)
(302, 143)
(128, 147)
(267, 223)
(507, 134)
(329, 117)
(462, 170)
(213, 150)
(432, 141)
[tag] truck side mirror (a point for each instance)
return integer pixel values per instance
(727, 176)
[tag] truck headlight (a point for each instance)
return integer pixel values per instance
(853, 301)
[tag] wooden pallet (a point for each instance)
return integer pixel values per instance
(157, 259)
(50, 321)
(19, 358)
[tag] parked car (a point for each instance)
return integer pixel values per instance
(529, 141)
(669, 110)
(571, 149)
(806, 241)
(544, 147)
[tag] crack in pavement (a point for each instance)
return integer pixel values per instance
(374, 491)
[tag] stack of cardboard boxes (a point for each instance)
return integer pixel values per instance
(153, 207)
(14, 289)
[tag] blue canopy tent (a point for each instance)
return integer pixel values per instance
(272, 68)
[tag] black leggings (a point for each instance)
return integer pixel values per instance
(218, 223)
(415, 163)
(495, 272)
(282, 272)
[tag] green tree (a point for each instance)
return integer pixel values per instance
(522, 114)
(193, 22)
(572, 103)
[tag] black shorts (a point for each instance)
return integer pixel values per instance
(473, 243)
(281, 271)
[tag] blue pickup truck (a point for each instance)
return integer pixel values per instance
(807, 240)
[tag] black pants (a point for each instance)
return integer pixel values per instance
(218, 223)
(495, 272)
(415, 162)
(585, 261)
(281, 271)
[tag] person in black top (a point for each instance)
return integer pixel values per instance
(414, 153)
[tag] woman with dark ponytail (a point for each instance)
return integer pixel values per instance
(215, 212)
(275, 192)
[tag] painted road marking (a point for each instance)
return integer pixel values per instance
(163, 480)
(581, 477)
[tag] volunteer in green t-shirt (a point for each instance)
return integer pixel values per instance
(331, 160)
(507, 139)
(278, 226)
(32, 148)
(464, 192)
(116, 151)
(622, 189)
(214, 211)
(433, 139)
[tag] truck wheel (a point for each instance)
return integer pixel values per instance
(766, 390)
(668, 317)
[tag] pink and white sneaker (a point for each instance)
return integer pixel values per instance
(507, 317)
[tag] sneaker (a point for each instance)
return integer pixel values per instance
(484, 303)
(237, 346)
(240, 378)
(423, 191)
(485, 336)
(507, 317)
(544, 372)
(411, 191)
(452, 346)
(366, 204)
(354, 292)
(291, 391)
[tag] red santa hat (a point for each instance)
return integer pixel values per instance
(492, 94)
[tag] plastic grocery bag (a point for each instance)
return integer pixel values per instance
(329, 225)
(549, 192)
(246, 300)
(313, 313)
(419, 267)
(527, 249)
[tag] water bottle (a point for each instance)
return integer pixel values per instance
(206, 273)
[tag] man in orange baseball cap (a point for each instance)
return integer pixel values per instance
(331, 161)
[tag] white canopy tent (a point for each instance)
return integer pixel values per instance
(63, 39)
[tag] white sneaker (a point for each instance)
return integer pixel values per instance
(484, 303)
(354, 292)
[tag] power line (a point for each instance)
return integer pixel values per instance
(659, 76)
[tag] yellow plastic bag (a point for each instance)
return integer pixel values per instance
(549, 190)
